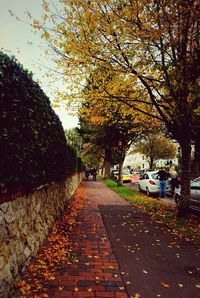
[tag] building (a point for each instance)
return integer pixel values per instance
(139, 161)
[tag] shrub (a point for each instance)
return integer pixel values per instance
(32, 140)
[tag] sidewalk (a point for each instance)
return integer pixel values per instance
(118, 251)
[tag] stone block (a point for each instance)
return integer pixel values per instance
(4, 207)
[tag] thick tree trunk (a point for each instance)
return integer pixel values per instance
(107, 169)
(107, 163)
(185, 179)
(151, 162)
(120, 182)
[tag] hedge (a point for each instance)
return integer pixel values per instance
(32, 140)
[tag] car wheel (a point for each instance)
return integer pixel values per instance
(178, 200)
(148, 192)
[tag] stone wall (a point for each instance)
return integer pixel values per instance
(25, 223)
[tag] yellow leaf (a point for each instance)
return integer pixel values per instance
(180, 285)
(60, 288)
(165, 285)
(145, 271)
(76, 289)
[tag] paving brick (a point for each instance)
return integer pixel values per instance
(94, 271)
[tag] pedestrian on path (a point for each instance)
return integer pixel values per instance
(87, 173)
(94, 174)
(163, 176)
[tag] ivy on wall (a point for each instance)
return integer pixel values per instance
(32, 140)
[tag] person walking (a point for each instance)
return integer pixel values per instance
(87, 173)
(163, 176)
(94, 173)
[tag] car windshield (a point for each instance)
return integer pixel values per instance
(155, 176)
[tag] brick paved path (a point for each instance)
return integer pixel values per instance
(153, 261)
(94, 271)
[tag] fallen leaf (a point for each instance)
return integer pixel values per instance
(76, 289)
(60, 288)
(180, 285)
(165, 285)
(145, 271)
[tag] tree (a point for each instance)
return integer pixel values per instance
(74, 139)
(108, 140)
(155, 147)
(92, 156)
(154, 44)
(118, 127)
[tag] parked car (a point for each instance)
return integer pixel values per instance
(149, 183)
(194, 195)
(144, 171)
(126, 176)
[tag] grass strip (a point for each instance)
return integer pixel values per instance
(161, 212)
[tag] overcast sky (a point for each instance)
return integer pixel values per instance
(15, 37)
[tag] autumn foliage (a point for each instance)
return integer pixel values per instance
(152, 45)
(53, 254)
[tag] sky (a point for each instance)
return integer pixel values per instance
(15, 39)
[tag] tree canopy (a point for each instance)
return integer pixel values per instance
(156, 146)
(153, 44)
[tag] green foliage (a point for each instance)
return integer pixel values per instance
(32, 140)
(79, 164)
(156, 146)
(71, 160)
(74, 139)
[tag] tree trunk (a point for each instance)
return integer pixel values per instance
(185, 178)
(107, 163)
(120, 182)
(151, 162)
(107, 169)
